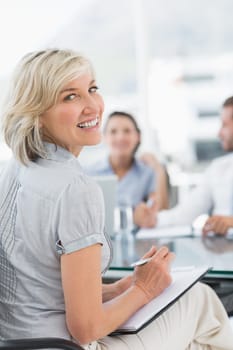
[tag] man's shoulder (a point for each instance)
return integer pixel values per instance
(220, 164)
(220, 161)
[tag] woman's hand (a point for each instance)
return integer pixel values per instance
(145, 216)
(218, 224)
(153, 277)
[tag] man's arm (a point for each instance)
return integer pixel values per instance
(198, 202)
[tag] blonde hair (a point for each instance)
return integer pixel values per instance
(36, 83)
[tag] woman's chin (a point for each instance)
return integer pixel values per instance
(121, 154)
(94, 141)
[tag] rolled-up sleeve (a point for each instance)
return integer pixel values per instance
(79, 216)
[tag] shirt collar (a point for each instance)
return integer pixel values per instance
(57, 153)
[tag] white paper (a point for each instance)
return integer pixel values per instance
(176, 231)
(168, 231)
(182, 280)
(230, 232)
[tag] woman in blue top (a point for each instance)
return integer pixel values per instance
(53, 249)
(137, 181)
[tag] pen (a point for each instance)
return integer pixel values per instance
(140, 262)
(175, 269)
(150, 202)
(144, 261)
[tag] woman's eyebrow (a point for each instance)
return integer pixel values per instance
(70, 89)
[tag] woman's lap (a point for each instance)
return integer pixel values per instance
(191, 317)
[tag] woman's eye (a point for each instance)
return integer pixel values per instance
(70, 97)
(93, 89)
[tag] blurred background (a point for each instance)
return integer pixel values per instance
(169, 62)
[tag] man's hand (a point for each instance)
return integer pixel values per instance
(218, 224)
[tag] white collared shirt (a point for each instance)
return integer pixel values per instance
(214, 195)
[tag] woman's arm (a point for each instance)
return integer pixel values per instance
(163, 195)
(87, 317)
(161, 180)
(112, 290)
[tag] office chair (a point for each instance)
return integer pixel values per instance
(38, 343)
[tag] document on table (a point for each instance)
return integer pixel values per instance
(175, 232)
(168, 231)
(182, 281)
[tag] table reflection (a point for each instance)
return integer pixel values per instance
(216, 251)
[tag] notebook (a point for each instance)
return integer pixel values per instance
(108, 184)
(182, 280)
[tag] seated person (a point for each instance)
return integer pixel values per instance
(137, 181)
(215, 194)
(53, 247)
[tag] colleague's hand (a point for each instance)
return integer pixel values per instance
(145, 216)
(154, 276)
(218, 224)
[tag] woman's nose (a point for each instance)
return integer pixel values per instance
(120, 135)
(91, 106)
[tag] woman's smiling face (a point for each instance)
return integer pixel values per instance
(121, 136)
(75, 120)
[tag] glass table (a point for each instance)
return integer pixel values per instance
(215, 252)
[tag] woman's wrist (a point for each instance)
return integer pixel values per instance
(141, 293)
(123, 284)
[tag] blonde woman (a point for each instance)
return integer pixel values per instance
(52, 242)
